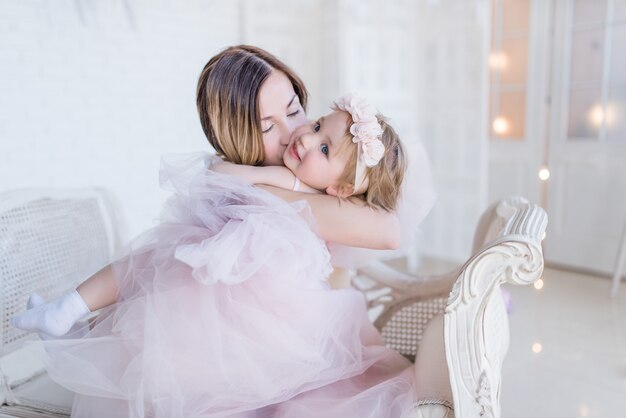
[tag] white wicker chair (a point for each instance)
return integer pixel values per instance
(51, 241)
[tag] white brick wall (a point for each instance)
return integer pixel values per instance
(92, 93)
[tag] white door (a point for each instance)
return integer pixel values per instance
(587, 139)
(518, 89)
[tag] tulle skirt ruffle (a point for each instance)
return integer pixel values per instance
(224, 310)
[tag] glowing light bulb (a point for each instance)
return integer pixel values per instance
(544, 174)
(599, 115)
(596, 115)
(500, 125)
(538, 284)
(537, 348)
(498, 60)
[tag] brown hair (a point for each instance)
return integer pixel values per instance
(385, 178)
(227, 101)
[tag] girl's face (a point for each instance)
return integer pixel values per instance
(316, 154)
(281, 113)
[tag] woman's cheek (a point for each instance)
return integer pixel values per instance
(298, 121)
(272, 149)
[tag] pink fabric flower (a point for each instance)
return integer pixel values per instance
(372, 152)
(365, 128)
(365, 132)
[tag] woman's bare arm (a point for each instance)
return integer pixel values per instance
(349, 221)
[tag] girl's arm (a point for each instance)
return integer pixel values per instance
(277, 176)
(348, 221)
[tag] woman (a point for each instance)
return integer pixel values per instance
(256, 87)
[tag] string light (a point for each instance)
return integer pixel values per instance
(500, 125)
(498, 60)
(598, 115)
(544, 174)
(537, 348)
(538, 284)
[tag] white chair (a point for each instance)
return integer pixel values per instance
(51, 241)
(620, 264)
(507, 249)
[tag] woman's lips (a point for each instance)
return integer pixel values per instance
(293, 150)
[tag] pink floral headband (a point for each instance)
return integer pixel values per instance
(366, 132)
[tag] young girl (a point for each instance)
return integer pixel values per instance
(224, 309)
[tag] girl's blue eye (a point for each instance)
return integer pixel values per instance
(324, 149)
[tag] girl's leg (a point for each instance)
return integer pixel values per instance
(57, 317)
(99, 290)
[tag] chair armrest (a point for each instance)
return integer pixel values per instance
(476, 324)
(507, 249)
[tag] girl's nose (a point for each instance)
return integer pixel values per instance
(307, 140)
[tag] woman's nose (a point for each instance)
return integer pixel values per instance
(285, 132)
(297, 123)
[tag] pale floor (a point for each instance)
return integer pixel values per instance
(567, 355)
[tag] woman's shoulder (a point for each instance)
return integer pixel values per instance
(191, 175)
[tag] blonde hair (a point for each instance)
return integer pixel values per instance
(385, 178)
(227, 101)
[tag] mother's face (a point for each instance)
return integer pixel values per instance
(281, 113)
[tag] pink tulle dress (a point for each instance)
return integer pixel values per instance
(224, 311)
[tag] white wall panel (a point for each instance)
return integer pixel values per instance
(94, 92)
(451, 104)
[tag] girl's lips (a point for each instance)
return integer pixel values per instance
(293, 150)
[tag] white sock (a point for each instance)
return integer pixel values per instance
(78, 330)
(54, 318)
